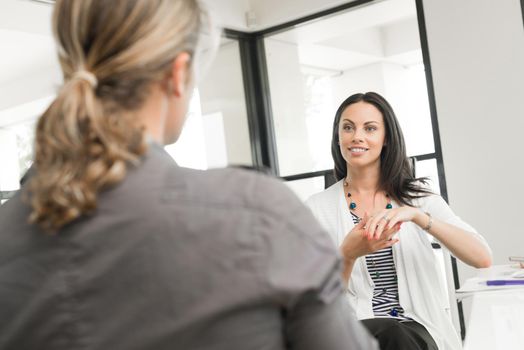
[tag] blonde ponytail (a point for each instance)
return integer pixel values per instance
(78, 151)
(87, 137)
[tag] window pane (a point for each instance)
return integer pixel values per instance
(428, 168)
(216, 132)
(314, 67)
(306, 187)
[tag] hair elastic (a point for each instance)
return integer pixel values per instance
(86, 75)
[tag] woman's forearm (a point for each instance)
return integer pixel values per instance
(463, 244)
(347, 269)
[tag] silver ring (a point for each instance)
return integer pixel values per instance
(385, 218)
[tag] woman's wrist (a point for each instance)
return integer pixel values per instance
(430, 222)
(424, 220)
(349, 260)
(348, 264)
(347, 257)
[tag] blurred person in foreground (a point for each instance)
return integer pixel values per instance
(111, 245)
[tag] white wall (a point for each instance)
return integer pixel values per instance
(477, 58)
(26, 16)
(29, 68)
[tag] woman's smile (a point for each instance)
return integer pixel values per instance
(357, 151)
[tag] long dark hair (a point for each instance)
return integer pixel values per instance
(396, 173)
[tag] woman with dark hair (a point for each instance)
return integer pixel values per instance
(111, 245)
(380, 216)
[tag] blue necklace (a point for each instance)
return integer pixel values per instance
(353, 205)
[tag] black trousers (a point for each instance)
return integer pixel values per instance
(394, 335)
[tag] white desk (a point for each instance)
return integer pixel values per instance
(497, 316)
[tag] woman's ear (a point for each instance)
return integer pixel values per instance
(180, 74)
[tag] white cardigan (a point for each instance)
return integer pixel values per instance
(421, 294)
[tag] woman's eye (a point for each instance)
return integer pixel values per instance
(371, 128)
(347, 127)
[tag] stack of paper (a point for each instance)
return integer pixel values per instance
(497, 278)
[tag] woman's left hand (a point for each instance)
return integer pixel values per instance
(387, 218)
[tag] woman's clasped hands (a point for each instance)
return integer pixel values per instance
(381, 222)
(371, 234)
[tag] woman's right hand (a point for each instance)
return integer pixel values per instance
(356, 243)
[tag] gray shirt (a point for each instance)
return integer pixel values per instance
(175, 258)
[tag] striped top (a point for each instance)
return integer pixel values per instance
(381, 267)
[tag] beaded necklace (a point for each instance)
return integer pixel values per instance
(353, 205)
(396, 312)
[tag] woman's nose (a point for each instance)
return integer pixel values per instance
(357, 136)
